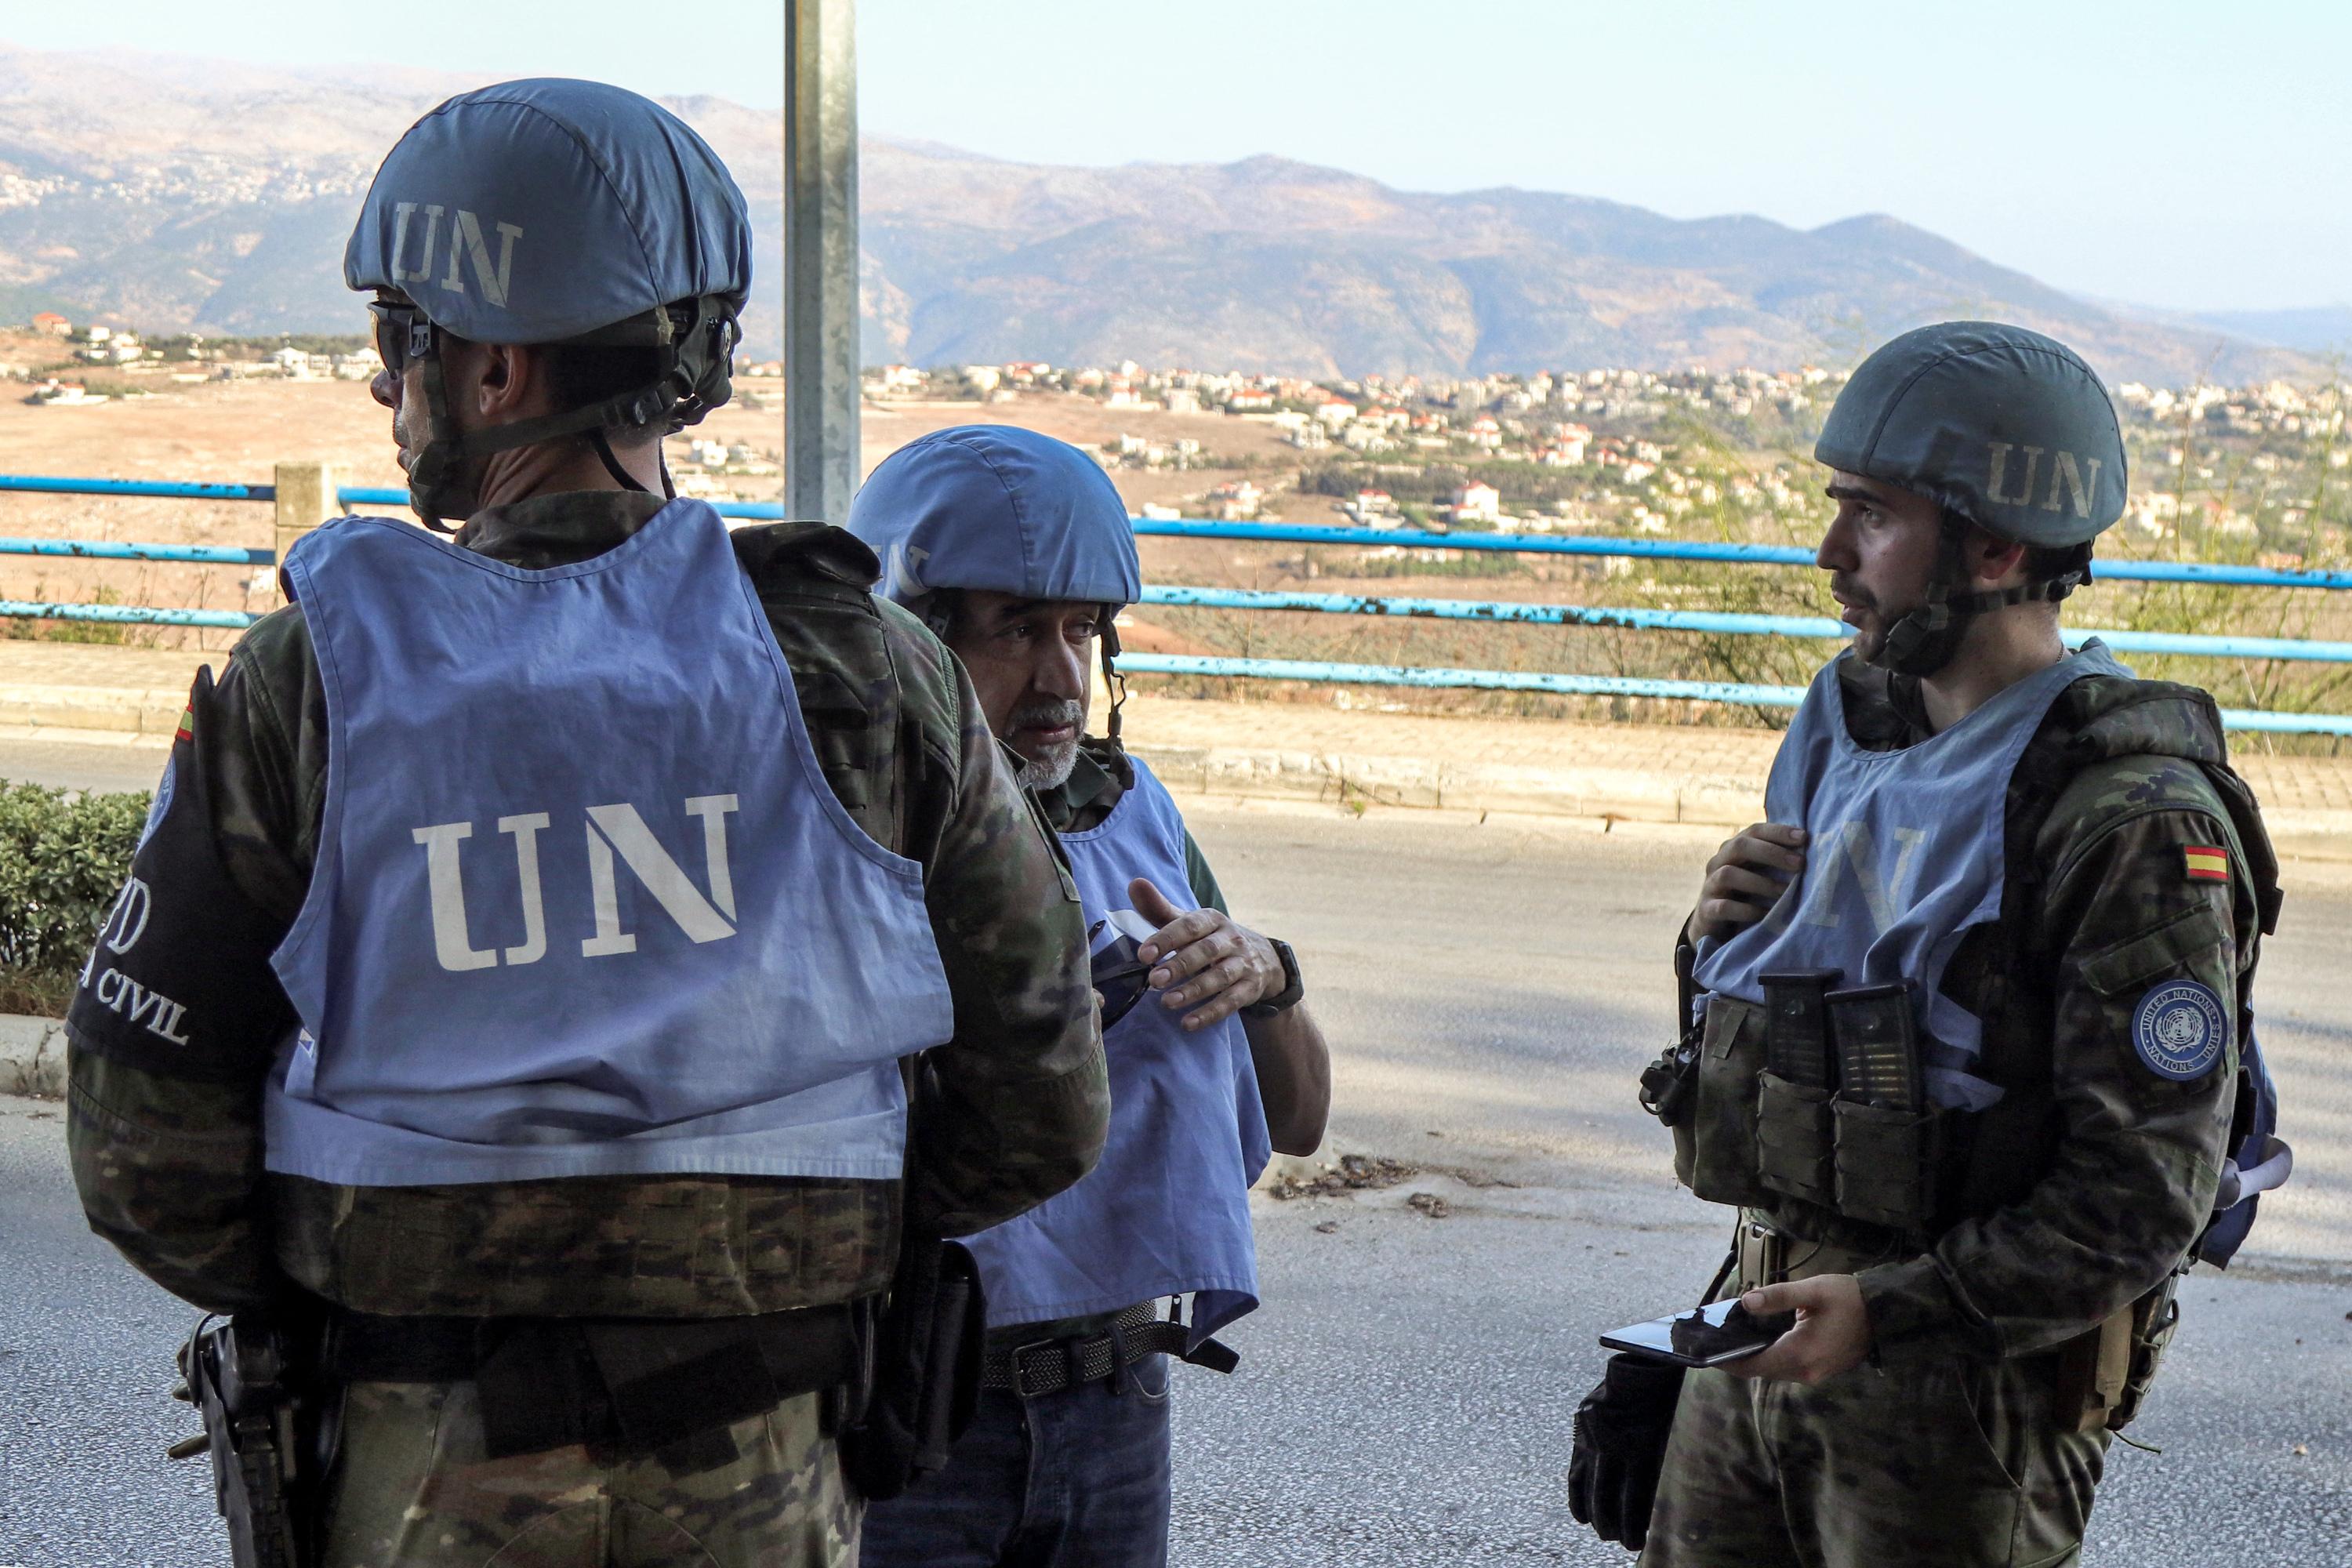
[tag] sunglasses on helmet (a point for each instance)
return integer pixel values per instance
(402, 334)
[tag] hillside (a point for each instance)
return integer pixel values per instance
(173, 194)
(1272, 264)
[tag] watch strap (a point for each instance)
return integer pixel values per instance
(1293, 988)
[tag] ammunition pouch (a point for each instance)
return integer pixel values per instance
(1715, 1146)
(1797, 1140)
(1814, 1096)
(1886, 1165)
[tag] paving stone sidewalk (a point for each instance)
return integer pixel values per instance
(1700, 774)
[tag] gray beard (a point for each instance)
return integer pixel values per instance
(1051, 774)
(1053, 771)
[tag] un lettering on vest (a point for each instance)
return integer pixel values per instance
(2071, 478)
(614, 836)
(1880, 875)
(467, 243)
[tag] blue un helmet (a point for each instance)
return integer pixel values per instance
(1005, 509)
(2003, 429)
(554, 212)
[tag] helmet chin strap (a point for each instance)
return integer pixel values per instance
(438, 484)
(621, 476)
(1926, 639)
(1113, 681)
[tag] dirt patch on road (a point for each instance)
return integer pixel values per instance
(1352, 1174)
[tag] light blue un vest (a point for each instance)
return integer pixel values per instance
(583, 904)
(1905, 854)
(1167, 1211)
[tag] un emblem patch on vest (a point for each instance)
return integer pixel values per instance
(2179, 1031)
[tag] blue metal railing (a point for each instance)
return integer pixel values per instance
(106, 550)
(1466, 679)
(2290, 648)
(1689, 549)
(1600, 686)
(2183, 644)
(127, 614)
(173, 489)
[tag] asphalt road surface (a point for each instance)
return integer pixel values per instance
(1405, 1394)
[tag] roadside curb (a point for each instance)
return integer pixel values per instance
(1346, 778)
(154, 711)
(97, 715)
(32, 1055)
(1345, 762)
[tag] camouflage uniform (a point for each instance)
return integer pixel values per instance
(166, 1146)
(2079, 1194)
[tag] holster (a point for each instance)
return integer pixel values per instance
(2103, 1373)
(243, 1376)
(923, 1366)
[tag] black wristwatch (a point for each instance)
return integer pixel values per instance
(1293, 988)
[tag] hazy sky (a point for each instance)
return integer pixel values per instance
(2195, 156)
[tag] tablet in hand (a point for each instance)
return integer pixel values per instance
(1705, 1336)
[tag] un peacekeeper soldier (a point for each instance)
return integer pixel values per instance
(1016, 547)
(514, 976)
(1972, 1050)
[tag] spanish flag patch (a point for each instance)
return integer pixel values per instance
(2207, 862)
(187, 730)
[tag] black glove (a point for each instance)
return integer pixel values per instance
(1621, 1446)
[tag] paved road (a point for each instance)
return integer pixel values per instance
(1405, 1394)
(131, 761)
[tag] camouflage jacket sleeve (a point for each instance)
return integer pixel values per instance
(2133, 1156)
(1014, 1108)
(177, 1018)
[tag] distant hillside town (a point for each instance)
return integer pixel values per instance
(72, 364)
(2217, 472)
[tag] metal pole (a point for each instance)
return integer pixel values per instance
(821, 316)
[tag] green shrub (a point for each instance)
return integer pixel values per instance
(63, 858)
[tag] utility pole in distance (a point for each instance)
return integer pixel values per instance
(821, 316)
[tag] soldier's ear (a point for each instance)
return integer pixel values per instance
(1992, 560)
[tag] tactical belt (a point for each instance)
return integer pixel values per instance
(630, 1385)
(2101, 1375)
(1766, 1257)
(1049, 1366)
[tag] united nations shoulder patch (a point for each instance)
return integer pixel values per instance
(2180, 1029)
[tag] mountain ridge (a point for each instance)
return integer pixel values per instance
(176, 194)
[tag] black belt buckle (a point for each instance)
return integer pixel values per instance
(1020, 1365)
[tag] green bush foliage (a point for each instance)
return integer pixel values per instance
(63, 857)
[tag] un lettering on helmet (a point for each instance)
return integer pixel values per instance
(2066, 478)
(2002, 424)
(465, 243)
(542, 210)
